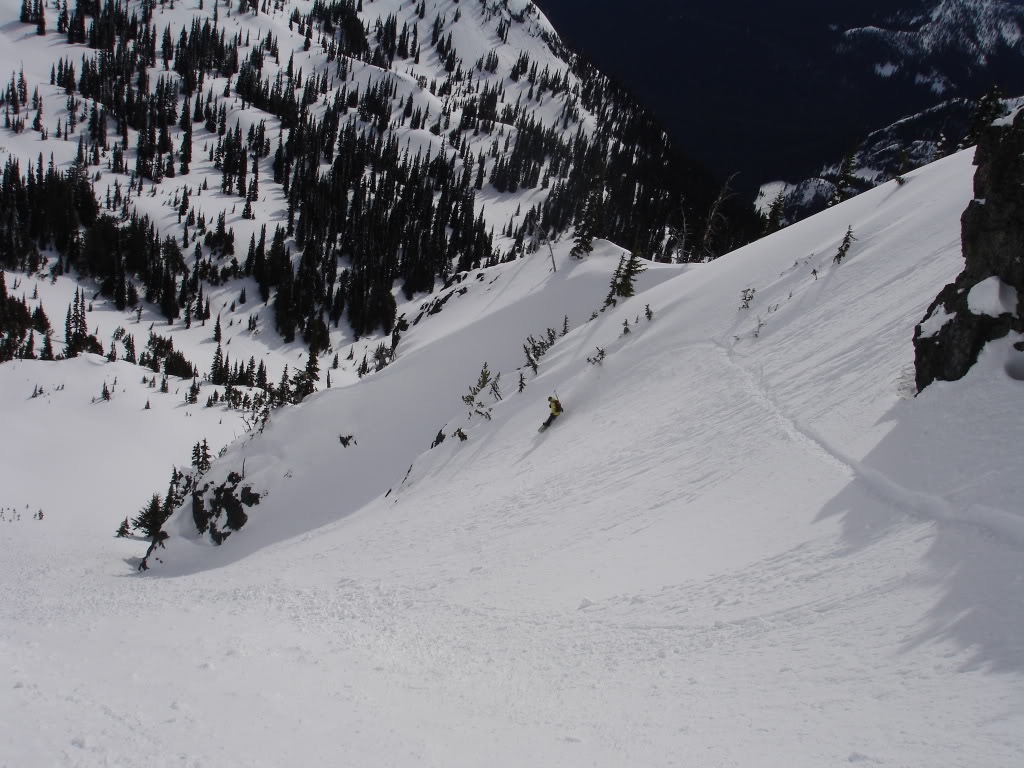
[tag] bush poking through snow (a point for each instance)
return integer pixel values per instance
(844, 247)
(471, 399)
(535, 349)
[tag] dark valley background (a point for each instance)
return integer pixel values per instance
(776, 90)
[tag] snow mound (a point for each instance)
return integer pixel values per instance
(992, 297)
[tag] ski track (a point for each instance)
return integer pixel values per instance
(800, 434)
(997, 523)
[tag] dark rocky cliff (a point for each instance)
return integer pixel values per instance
(986, 301)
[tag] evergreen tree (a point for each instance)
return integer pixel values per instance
(29, 351)
(283, 390)
(583, 245)
(613, 287)
(774, 220)
(218, 375)
(990, 108)
(632, 268)
(844, 246)
(844, 182)
(169, 295)
(201, 457)
(172, 499)
(150, 518)
(304, 382)
(77, 338)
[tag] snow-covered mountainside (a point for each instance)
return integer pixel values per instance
(938, 44)
(743, 543)
(886, 153)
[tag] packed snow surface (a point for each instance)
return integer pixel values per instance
(743, 544)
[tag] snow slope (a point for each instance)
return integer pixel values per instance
(742, 545)
(93, 447)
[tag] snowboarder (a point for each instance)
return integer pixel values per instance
(556, 409)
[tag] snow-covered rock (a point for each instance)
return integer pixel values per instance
(985, 301)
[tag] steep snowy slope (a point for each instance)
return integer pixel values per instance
(57, 117)
(742, 544)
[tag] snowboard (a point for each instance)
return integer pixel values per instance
(544, 427)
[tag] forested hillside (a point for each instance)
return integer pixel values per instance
(328, 153)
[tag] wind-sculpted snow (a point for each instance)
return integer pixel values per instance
(743, 543)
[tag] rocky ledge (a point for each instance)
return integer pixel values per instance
(986, 301)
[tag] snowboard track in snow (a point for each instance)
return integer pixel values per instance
(992, 522)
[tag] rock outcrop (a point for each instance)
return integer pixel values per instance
(986, 301)
(224, 501)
